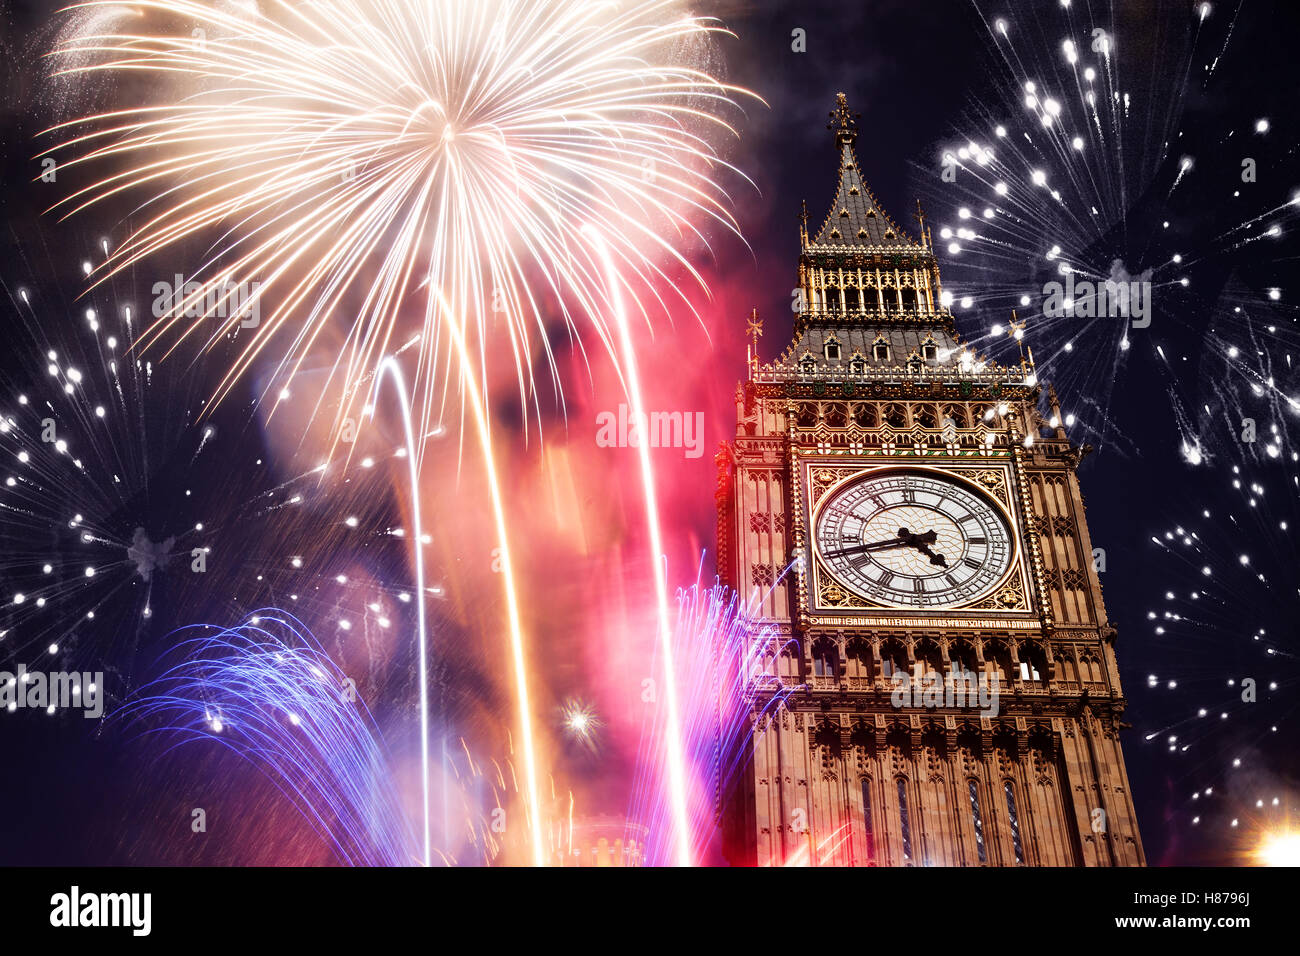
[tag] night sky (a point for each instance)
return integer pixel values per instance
(925, 76)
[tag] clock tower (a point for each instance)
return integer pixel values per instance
(938, 683)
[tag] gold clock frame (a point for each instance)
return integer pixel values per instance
(988, 480)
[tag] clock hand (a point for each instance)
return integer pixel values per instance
(864, 548)
(922, 543)
(938, 560)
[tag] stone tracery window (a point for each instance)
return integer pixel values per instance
(964, 659)
(929, 659)
(785, 661)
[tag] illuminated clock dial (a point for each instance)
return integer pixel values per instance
(913, 539)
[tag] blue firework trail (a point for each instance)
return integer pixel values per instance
(266, 690)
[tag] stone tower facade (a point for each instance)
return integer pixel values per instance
(938, 682)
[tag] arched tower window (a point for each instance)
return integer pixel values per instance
(832, 350)
(858, 663)
(930, 350)
(1033, 665)
(999, 663)
(964, 660)
(1068, 671)
(892, 660)
(868, 830)
(1014, 818)
(1094, 671)
(823, 654)
(929, 660)
(895, 415)
(880, 349)
(978, 819)
(904, 820)
(870, 299)
(786, 666)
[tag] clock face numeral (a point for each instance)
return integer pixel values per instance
(913, 539)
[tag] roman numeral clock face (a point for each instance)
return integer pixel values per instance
(913, 539)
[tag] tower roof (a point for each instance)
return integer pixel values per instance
(856, 218)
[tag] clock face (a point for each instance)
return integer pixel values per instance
(913, 539)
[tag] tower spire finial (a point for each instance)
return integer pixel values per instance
(844, 122)
(755, 330)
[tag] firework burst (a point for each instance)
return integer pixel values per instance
(391, 167)
(116, 525)
(1064, 190)
(100, 497)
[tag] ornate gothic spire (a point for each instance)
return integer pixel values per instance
(855, 219)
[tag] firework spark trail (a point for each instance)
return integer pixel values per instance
(391, 369)
(101, 524)
(1237, 679)
(518, 651)
(267, 691)
(350, 154)
(673, 743)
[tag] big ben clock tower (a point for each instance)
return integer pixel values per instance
(940, 685)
